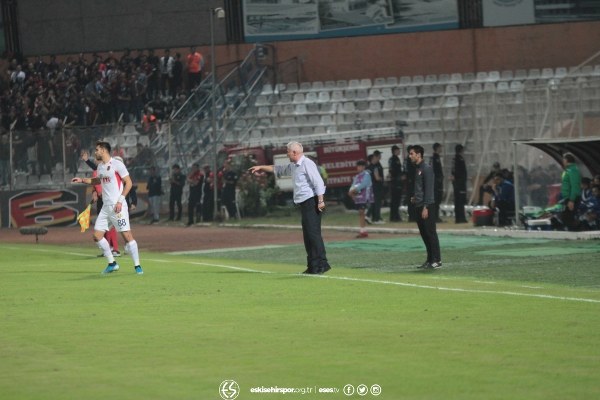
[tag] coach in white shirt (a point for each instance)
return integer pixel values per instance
(309, 189)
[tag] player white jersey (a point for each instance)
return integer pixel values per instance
(111, 176)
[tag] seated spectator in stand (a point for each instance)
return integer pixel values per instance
(504, 199)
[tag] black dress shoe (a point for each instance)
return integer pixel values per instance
(324, 269)
(310, 272)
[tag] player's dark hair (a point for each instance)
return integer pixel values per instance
(104, 145)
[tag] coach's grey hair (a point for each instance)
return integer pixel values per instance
(297, 145)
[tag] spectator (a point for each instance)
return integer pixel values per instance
(177, 181)
(177, 76)
(154, 194)
(195, 181)
(361, 191)
(72, 149)
(166, 72)
(124, 99)
(195, 63)
(230, 178)
(459, 183)
(153, 72)
(32, 153)
(208, 194)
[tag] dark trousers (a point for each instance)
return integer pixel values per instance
(569, 218)
(375, 210)
(228, 200)
(429, 235)
(506, 210)
(438, 195)
(316, 259)
(208, 206)
(460, 200)
(395, 198)
(193, 208)
(175, 200)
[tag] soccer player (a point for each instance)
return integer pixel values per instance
(116, 184)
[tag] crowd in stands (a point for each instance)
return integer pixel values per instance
(39, 97)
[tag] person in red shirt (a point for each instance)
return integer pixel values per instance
(195, 62)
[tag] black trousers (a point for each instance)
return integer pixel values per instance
(460, 200)
(438, 196)
(395, 198)
(194, 208)
(428, 232)
(377, 201)
(316, 259)
(175, 200)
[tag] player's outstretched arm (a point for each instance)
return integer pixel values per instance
(86, 181)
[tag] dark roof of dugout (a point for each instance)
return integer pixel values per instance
(586, 150)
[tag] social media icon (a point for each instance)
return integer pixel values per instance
(362, 390)
(375, 390)
(348, 390)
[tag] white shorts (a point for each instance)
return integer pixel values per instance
(108, 217)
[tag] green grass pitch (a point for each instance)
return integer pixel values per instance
(504, 319)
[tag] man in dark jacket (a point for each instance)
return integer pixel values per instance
(177, 181)
(459, 183)
(395, 168)
(423, 199)
(438, 186)
(154, 194)
(195, 180)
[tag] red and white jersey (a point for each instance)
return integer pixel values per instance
(111, 176)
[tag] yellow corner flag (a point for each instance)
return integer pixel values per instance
(84, 218)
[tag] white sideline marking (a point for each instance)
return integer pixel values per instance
(414, 285)
(225, 250)
(384, 282)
